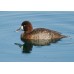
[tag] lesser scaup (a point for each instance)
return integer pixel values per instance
(38, 33)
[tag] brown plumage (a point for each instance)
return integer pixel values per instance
(39, 33)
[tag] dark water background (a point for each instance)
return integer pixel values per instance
(62, 51)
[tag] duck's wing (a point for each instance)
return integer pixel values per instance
(37, 30)
(52, 33)
(55, 32)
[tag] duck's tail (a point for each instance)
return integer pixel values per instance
(63, 36)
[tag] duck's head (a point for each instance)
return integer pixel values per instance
(26, 26)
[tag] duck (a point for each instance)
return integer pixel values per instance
(38, 33)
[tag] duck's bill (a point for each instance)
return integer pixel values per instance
(18, 29)
(21, 28)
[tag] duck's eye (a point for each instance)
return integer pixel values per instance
(21, 27)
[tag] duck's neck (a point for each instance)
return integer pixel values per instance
(29, 31)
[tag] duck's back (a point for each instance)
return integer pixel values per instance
(42, 33)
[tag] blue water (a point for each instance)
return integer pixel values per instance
(62, 51)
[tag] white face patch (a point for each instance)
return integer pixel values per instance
(22, 28)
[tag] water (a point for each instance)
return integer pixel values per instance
(62, 51)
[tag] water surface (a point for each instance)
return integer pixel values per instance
(62, 51)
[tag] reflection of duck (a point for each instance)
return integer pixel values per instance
(28, 44)
(26, 47)
(37, 37)
(38, 33)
